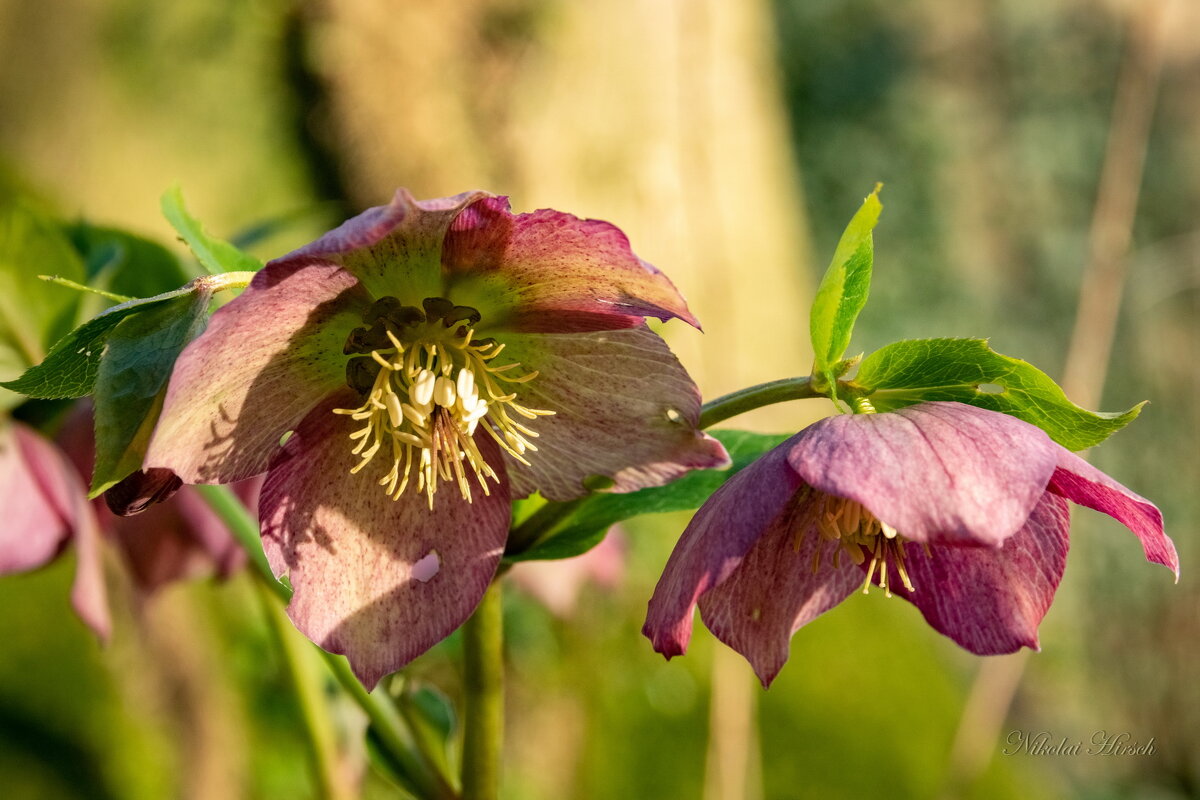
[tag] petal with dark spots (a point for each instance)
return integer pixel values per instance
(937, 472)
(776, 590)
(991, 600)
(267, 358)
(1080, 482)
(624, 408)
(360, 562)
(746, 508)
(548, 271)
(395, 250)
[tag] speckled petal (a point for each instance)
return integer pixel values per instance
(937, 472)
(379, 580)
(1077, 480)
(775, 590)
(553, 272)
(624, 409)
(267, 358)
(991, 600)
(715, 544)
(395, 249)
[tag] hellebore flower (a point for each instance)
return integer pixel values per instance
(45, 508)
(402, 378)
(959, 510)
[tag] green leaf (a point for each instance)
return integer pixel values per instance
(969, 371)
(215, 255)
(71, 367)
(132, 381)
(843, 291)
(587, 527)
(33, 313)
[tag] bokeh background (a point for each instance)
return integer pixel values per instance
(1042, 168)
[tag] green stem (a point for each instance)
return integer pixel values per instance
(424, 781)
(307, 683)
(393, 734)
(541, 522)
(483, 686)
(244, 527)
(753, 397)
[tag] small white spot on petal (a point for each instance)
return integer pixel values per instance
(673, 415)
(424, 568)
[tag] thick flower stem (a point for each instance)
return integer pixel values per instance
(483, 663)
(753, 397)
(422, 779)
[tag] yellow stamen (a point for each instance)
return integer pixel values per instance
(855, 531)
(425, 404)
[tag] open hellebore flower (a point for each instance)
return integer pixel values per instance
(404, 376)
(959, 510)
(45, 508)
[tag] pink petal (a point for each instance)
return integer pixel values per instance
(937, 472)
(624, 409)
(267, 358)
(775, 591)
(35, 525)
(395, 249)
(556, 272)
(1077, 480)
(991, 600)
(351, 552)
(46, 503)
(715, 544)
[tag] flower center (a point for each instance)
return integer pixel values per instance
(854, 530)
(427, 384)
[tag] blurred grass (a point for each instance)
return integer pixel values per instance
(694, 129)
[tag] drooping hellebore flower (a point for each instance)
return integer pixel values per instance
(959, 510)
(45, 509)
(423, 364)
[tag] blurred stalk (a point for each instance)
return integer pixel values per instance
(307, 685)
(483, 702)
(1101, 289)
(733, 763)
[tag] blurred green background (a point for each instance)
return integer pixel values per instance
(732, 140)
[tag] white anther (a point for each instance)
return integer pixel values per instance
(466, 382)
(443, 392)
(395, 414)
(413, 414)
(888, 530)
(422, 388)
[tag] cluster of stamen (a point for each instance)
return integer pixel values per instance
(855, 531)
(427, 386)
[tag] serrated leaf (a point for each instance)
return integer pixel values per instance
(969, 371)
(216, 255)
(132, 382)
(587, 527)
(843, 290)
(71, 367)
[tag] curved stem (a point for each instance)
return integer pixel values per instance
(533, 530)
(483, 686)
(753, 397)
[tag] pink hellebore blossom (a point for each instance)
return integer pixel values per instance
(961, 511)
(46, 507)
(402, 378)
